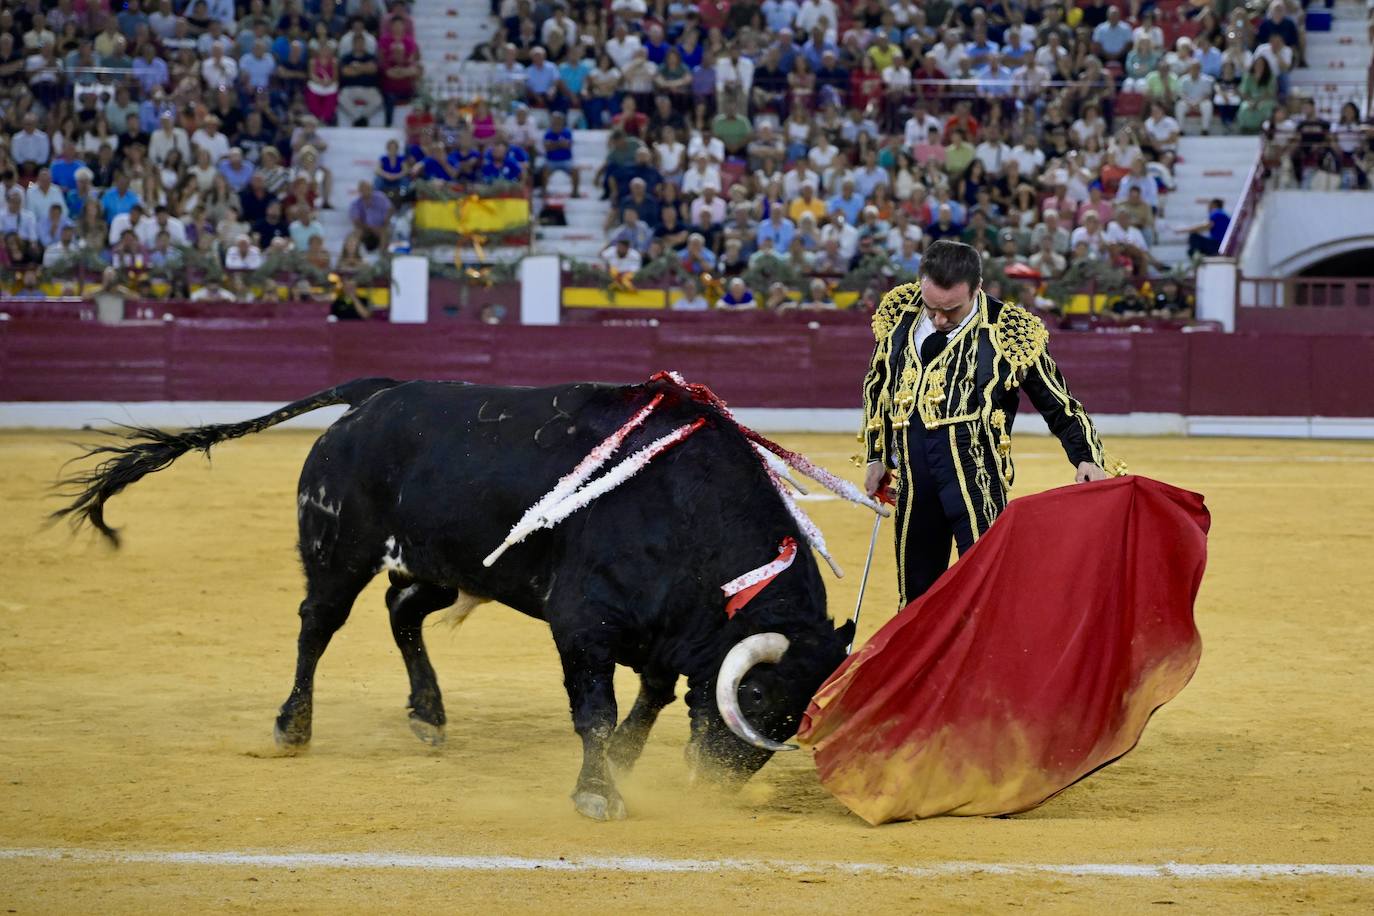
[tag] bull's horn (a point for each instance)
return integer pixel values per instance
(748, 652)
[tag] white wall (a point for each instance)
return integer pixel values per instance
(1294, 229)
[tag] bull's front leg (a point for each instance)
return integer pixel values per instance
(588, 675)
(655, 692)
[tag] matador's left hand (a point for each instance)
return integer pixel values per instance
(1088, 471)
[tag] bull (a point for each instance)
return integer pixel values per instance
(422, 479)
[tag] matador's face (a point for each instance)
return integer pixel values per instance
(947, 306)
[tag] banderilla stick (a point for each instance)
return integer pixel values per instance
(863, 583)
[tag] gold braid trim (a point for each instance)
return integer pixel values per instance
(1019, 337)
(904, 298)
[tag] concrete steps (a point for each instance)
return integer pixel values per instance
(448, 31)
(585, 234)
(1210, 167)
(350, 157)
(1337, 62)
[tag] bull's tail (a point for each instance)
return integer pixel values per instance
(142, 450)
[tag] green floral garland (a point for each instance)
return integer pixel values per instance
(765, 271)
(436, 189)
(1104, 278)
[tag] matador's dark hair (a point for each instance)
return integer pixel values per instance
(948, 263)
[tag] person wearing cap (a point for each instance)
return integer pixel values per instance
(168, 137)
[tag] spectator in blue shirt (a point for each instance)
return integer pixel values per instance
(391, 169)
(118, 198)
(1205, 238)
(778, 228)
(1113, 38)
(541, 79)
(465, 159)
(780, 14)
(84, 191)
(64, 168)
(558, 156)
(849, 202)
(151, 70)
(256, 67)
(237, 170)
(504, 163)
(431, 166)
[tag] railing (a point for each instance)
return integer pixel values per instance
(1245, 210)
(1324, 293)
(1331, 95)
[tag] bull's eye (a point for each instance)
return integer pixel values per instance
(756, 693)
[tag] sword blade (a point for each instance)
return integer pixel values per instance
(863, 583)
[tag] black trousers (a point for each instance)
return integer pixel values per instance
(930, 510)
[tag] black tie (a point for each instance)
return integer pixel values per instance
(933, 345)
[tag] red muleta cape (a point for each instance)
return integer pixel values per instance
(1036, 659)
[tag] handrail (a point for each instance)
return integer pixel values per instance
(1245, 211)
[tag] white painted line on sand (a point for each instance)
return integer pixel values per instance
(651, 865)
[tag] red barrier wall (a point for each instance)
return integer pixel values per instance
(775, 365)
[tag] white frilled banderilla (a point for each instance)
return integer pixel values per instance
(573, 491)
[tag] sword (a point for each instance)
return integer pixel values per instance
(863, 583)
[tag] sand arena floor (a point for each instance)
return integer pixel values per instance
(139, 690)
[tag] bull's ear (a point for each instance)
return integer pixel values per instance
(846, 631)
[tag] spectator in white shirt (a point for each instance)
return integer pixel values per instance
(712, 147)
(811, 13)
(620, 257)
(16, 218)
(1195, 95)
(30, 147)
(622, 46)
(702, 175)
(211, 139)
(243, 255)
(166, 138)
(218, 70)
(67, 244)
(949, 53)
(711, 203)
(1029, 157)
(992, 152)
(735, 74)
(1090, 234)
(1162, 129)
(43, 195)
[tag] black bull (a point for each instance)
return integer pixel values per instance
(424, 479)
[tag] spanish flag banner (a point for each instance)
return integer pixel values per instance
(473, 214)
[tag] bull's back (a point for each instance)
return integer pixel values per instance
(430, 476)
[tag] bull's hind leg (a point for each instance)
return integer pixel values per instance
(655, 692)
(328, 600)
(409, 603)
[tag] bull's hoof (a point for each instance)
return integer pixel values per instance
(293, 739)
(433, 735)
(599, 807)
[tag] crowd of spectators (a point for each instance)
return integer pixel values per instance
(826, 134)
(181, 138)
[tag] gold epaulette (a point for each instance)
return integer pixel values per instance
(898, 299)
(1019, 337)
